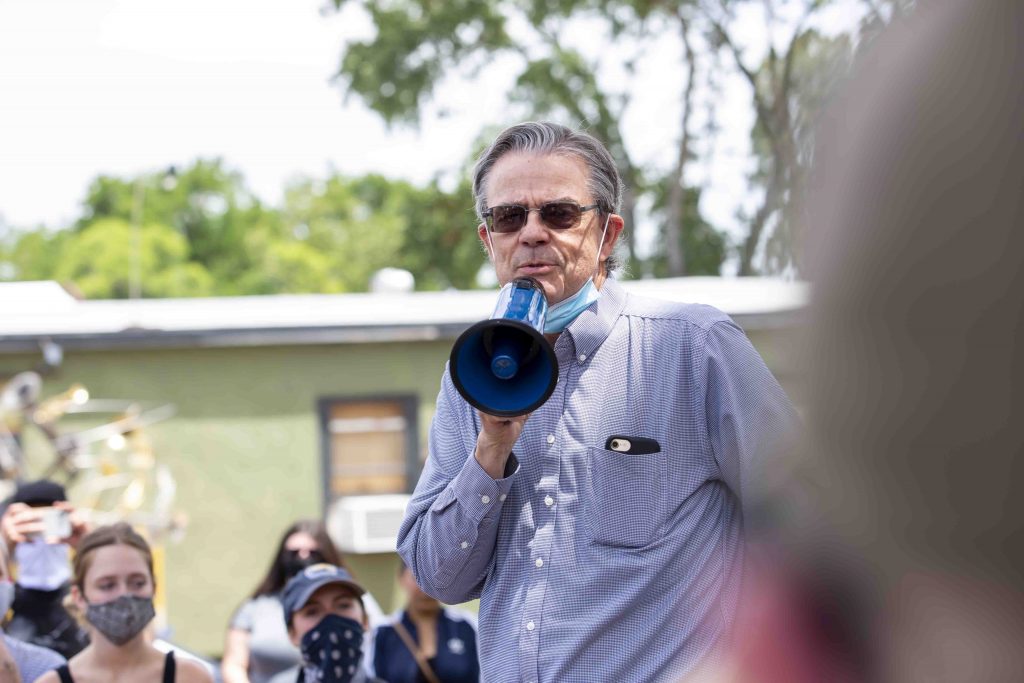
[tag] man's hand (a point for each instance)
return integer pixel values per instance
(495, 441)
(19, 524)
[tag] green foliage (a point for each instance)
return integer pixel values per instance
(98, 260)
(704, 248)
(201, 233)
(369, 223)
(417, 41)
(207, 203)
(31, 255)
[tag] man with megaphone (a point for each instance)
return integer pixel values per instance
(601, 530)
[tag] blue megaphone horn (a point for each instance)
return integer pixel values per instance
(504, 366)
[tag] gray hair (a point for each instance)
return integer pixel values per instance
(543, 137)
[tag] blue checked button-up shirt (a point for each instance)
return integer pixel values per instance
(590, 564)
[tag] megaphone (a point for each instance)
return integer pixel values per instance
(504, 366)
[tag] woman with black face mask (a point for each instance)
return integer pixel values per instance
(112, 588)
(257, 645)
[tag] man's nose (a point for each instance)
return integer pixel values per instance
(534, 232)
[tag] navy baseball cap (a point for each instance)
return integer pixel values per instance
(300, 588)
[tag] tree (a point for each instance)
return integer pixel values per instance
(364, 224)
(32, 254)
(200, 233)
(207, 203)
(96, 259)
(788, 90)
(701, 246)
(418, 43)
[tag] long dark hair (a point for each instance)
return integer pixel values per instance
(276, 577)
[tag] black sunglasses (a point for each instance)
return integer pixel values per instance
(561, 215)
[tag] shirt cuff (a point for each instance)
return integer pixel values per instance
(478, 494)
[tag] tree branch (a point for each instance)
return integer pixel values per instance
(763, 111)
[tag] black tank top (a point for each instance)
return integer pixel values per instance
(65, 673)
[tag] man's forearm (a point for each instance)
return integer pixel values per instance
(448, 537)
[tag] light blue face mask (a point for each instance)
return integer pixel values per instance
(564, 312)
(561, 315)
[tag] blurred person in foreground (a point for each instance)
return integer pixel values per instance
(43, 567)
(326, 619)
(257, 645)
(907, 551)
(425, 642)
(590, 563)
(20, 661)
(112, 589)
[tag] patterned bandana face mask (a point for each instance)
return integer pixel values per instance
(332, 650)
(121, 619)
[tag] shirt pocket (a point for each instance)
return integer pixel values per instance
(623, 502)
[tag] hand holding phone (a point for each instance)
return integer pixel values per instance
(56, 523)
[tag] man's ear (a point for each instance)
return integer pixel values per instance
(481, 231)
(615, 226)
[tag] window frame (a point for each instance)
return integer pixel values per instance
(410, 412)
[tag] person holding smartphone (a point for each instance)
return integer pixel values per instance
(40, 528)
(20, 662)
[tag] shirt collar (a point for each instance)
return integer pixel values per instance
(593, 325)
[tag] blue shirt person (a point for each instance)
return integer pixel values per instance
(425, 636)
(591, 563)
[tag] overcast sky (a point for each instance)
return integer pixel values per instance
(127, 86)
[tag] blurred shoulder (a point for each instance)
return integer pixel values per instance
(32, 660)
(191, 671)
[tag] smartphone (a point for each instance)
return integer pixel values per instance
(632, 445)
(56, 522)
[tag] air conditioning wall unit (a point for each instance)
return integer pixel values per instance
(366, 524)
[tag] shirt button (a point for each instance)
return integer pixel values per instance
(551, 438)
(582, 357)
(549, 501)
(539, 563)
(485, 499)
(464, 545)
(529, 626)
(502, 497)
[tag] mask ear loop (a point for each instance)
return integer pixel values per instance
(597, 264)
(490, 242)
